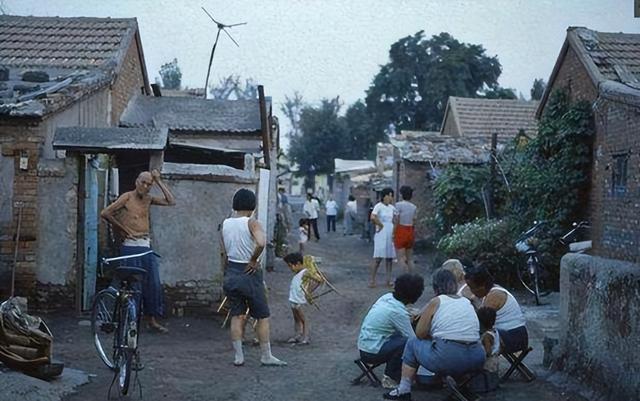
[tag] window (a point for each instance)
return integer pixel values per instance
(619, 175)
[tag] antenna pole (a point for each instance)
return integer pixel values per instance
(213, 50)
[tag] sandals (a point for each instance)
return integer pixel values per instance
(158, 329)
(293, 340)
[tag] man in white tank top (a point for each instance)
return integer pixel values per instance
(243, 240)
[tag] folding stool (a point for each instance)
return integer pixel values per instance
(367, 370)
(516, 363)
(455, 387)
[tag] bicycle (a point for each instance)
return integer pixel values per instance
(115, 322)
(531, 274)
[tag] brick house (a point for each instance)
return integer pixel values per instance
(604, 69)
(55, 72)
(599, 302)
(484, 117)
(419, 159)
(206, 150)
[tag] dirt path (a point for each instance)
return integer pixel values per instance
(193, 362)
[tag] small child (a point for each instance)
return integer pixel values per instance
(490, 340)
(297, 299)
(303, 233)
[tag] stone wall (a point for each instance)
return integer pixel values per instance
(600, 324)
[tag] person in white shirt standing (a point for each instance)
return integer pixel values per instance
(383, 217)
(242, 241)
(331, 208)
(350, 214)
(310, 209)
(404, 237)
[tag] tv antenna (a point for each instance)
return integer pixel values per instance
(221, 28)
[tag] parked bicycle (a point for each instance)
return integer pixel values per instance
(578, 239)
(532, 275)
(115, 322)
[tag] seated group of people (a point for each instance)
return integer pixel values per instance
(459, 331)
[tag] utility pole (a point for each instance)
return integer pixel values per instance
(492, 178)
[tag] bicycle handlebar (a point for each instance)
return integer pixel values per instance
(106, 261)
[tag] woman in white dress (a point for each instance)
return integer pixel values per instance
(382, 218)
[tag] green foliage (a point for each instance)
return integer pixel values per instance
(549, 177)
(362, 138)
(537, 90)
(412, 89)
(458, 192)
(500, 93)
(171, 75)
(488, 241)
(323, 138)
(291, 108)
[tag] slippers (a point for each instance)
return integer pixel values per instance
(293, 340)
(304, 342)
(237, 365)
(158, 329)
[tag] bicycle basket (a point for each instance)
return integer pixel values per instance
(523, 246)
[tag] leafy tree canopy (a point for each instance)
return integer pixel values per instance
(291, 108)
(412, 89)
(537, 90)
(171, 75)
(323, 138)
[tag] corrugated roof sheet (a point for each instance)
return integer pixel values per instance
(446, 149)
(80, 138)
(353, 166)
(192, 114)
(487, 116)
(63, 42)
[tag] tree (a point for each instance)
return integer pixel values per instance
(171, 75)
(291, 108)
(232, 88)
(323, 138)
(361, 135)
(537, 90)
(500, 93)
(412, 89)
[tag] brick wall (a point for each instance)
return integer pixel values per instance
(128, 83)
(614, 218)
(21, 140)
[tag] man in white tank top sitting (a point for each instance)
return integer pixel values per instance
(447, 340)
(510, 321)
(243, 240)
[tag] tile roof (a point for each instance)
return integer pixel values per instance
(64, 42)
(193, 114)
(443, 149)
(78, 55)
(109, 138)
(483, 117)
(612, 61)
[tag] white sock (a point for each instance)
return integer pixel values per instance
(404, 386)
(237, 347)
(267, 358)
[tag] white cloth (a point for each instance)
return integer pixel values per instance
(238, 241)
(383, 240)
(145, 242)
(296, 295)
(311, 208)
(510, 316)
(332, 208)
(455, 319)
(406, 212)
(387, 317)
(351, 207)
(303, 235)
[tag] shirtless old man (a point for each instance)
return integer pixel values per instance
(130, 215)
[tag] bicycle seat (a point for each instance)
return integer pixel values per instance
(129, 272)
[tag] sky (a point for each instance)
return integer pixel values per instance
(328, 48)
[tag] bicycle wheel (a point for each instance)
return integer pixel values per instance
(103, 326)
(126, 344)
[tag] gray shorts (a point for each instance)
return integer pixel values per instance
(245, 291)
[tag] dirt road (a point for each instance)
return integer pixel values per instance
(194, 361)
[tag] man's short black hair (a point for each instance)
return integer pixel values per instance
(408, 288)
(244, 200)
(385, 192)
(406, 192)
(479, 275)
(352, 198)
(293, 258)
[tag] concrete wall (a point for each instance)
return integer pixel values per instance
(600, 324)
(188, 238)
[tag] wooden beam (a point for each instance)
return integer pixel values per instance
(264, 125)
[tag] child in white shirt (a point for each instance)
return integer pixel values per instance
(297, 299)
(303, 234)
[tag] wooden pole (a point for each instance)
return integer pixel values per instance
(264, 125)
(492, 178)
(19, 205)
